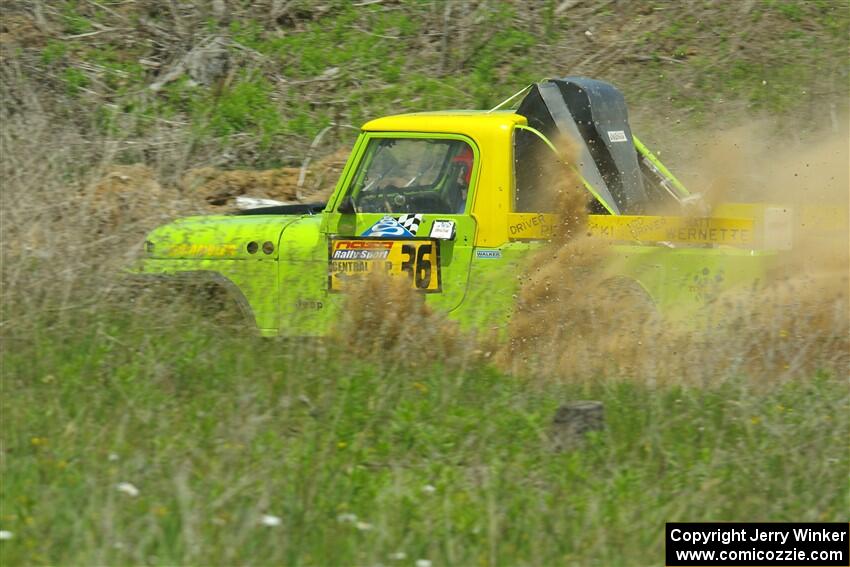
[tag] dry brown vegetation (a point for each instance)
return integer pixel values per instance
(402, 329)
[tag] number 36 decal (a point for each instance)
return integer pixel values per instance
(418, 264)
(415, 259)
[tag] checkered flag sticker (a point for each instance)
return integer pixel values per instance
(410, 222)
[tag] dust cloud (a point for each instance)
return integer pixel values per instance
(575, 320)
(809, 175)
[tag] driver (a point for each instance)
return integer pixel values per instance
(463, 165)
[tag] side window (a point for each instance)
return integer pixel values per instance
(413, 175)
(536, 169)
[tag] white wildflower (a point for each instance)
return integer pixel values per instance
(269, 520)
(429, 489)
(4, 534)
(423, 563)
(346, 518)
(127, 489)
(112, 457)
(363, 526)
(398, 556)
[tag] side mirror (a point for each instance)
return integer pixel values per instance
(346, 207)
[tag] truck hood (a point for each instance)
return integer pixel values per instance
(219, 237)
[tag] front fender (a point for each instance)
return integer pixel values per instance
(206, 277)
(252, 285)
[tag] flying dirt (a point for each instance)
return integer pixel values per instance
(793, 322)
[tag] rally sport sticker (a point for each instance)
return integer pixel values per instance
(416, 259)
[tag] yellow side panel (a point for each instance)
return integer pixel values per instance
(644, 229)
(717, 231)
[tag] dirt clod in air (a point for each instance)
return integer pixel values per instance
(560, 302)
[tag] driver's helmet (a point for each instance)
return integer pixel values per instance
(464, 158)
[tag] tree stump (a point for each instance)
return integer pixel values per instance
(573, 421)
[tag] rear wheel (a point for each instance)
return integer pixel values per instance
(624, 302)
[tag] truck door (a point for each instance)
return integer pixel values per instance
(406, 210)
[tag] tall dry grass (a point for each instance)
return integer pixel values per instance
(72, 215)
(383, 315)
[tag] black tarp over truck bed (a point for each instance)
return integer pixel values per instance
(593, 115)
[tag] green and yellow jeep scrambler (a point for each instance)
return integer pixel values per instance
(454, 202)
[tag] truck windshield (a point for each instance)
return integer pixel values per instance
(413, 175)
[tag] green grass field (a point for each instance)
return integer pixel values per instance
(372, 461)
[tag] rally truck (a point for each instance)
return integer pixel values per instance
(456, 203)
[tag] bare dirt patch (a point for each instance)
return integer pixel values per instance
(217, 188)
(127, 195)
